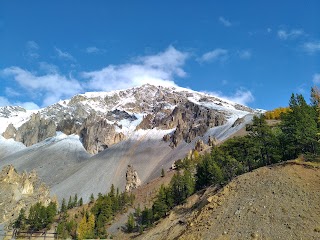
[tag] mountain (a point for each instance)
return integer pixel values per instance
(84, 144)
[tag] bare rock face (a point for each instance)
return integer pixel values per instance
(132, 178)
(97, 134)
(19, 191)
(199, 146)
(212, 141)
(33, 131)
(191, 120)
(10, 132)
(146, 123)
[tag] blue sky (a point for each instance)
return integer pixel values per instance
(253, 52)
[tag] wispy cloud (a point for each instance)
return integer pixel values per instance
(94, 50)
(311, 47)
(64, 55)
(245, 54)
(52, 86)
(11, 92)
(4, 102)
(225, 22)
(27, 105)
(316, 78)
(32, 50)
(241, 96)
(218, 54)
(158, 69)
(48, 67)
(294, 33)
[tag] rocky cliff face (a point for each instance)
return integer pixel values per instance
(192, 121)
(132, 179)
(19, 191)
(97, 134)
(103, 119)
(33, 131)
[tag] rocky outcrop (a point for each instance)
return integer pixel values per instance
(132, 179)
(19, 191)
(146, 123)
(190, 120)
(97, 134)
(33, 131)
(99, 118)
(199, 146)
(10, 132)
(212, 141)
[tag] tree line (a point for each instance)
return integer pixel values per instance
(296, 134)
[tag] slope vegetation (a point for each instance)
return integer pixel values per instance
(278, 202)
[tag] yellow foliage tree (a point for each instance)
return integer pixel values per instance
(86, 227)
(275, 114)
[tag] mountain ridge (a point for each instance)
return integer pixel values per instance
(94, 136)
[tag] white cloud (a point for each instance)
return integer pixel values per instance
(312, 47)
(158, 69)
(48, 67)
(52, 85)
(32, 45)
(32, 50)
(64, 55)
(241, 96)
(28, 105)
(11, 92)
(94, 49)
(4, 102)
(225, 22)
(245, 54)
(316, 78)
(294, 33)
(217, 54)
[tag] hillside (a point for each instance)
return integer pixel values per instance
(82, 145)
(276, 202)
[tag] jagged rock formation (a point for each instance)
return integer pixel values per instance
(103, 119)
(132, 179)
(212, 141)
(97, 134)
(11, 111)
(33, 131)
(199, 146)
(192, 120)
(19, 191)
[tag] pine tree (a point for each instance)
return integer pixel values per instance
(265, 139)
(70, 203)
(75, 200)
(91, 198)
(21, 220)
(80, 202)
(299, 128)
(208, 171)
(131, 223)
(63, 206)
(162, 172)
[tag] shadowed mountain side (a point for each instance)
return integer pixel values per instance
(53, 159)
(145, 151)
